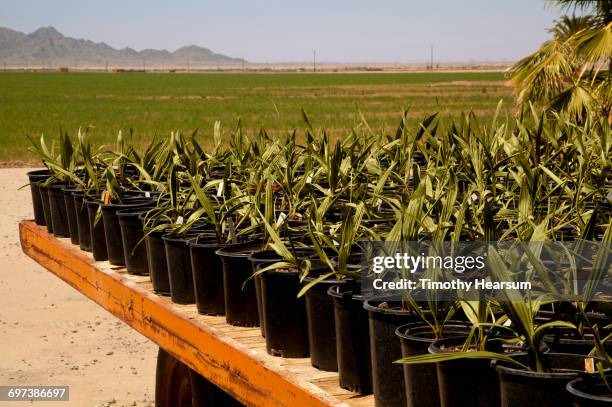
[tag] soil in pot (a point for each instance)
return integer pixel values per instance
(112, 229)
(421, 381)
(132, 238)
(158, 266)
(385, 315)
(178, 261)
(44, 198)
(207, 270)
(96, 230)
(36, 177)
(284, 313)
(82, 221)
(321, 324)
(59, 217)
(590, 391)
(519, 387)
(240, 296)
(71, 214)
(464, 382)
(352, 339)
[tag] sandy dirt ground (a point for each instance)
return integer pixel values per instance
(50, 334)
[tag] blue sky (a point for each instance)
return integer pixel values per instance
(288, 31)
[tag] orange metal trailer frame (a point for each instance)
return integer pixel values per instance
(211, 349)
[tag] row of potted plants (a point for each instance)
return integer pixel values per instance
(269, 231)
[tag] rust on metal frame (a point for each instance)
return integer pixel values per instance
(223, 361)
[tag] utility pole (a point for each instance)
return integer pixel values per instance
(144, 64)
(431, 56)
(314, 60)
(243, 63)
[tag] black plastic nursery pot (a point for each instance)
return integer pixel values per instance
(158, 266)
(112, 229)
(571, 345)
(207, 270)
(321, 325)
(98, 240)
(57, 206)
(239, 292)
(421, 380)
(564, 340)
(178, 262)
(352, 339)
(284, 313)
(258, 258)
(82, 220)
(590, 391)
(465, 382)
(36, 177)
(71, 214)
(258, 280)
(132, 238)
(267, 257)
(519, 387)
(385, 316)
(44, 198)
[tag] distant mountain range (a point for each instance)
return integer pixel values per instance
(47, 47)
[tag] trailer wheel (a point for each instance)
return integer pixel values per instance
(178, 386)
(204, 393)
(172, 387)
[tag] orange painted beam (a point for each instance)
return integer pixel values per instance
(222, 360)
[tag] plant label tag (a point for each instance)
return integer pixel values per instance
(220, 189)
(147, 194)
(309, 179)
(281, 218)
(106, 197)
(589, 365)
(180, 220)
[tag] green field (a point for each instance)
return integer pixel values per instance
(157, 103)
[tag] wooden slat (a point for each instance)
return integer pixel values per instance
(233, 358)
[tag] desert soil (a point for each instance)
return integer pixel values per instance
(50, 334)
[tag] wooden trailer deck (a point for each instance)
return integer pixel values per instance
(233, 358)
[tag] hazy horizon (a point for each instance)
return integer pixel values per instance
(278, 32)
